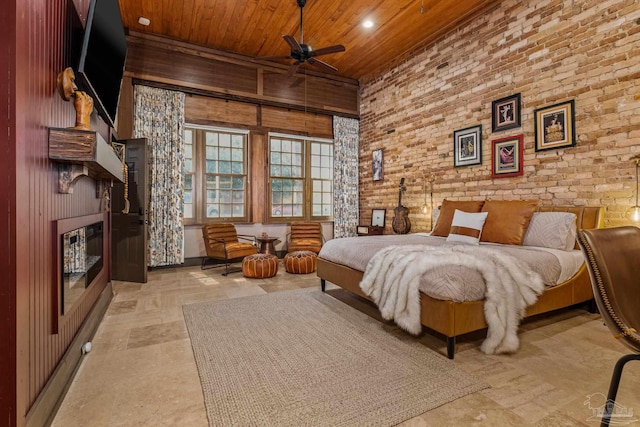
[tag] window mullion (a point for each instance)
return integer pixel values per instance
(200, 174)
(308, 180)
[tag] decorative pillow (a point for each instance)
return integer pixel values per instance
(555, 230)
(467, 227)
(447, 210)
(434, 216)
(507, 220)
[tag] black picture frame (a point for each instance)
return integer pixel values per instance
(555, 126)
(467, 146)
(505, 113)
(378, 164)
(378, 217)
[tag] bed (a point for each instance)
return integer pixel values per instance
(454, 318)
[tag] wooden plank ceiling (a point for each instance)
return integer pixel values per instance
(255, 27)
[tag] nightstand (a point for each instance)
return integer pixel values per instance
(369, 230)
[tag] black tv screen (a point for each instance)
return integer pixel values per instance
(104, 51)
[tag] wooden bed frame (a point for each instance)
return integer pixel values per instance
(457, 318)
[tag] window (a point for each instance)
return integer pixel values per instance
(301, 177)
(215, 175)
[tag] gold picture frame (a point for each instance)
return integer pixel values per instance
(555, 126)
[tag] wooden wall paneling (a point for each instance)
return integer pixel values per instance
(259, 176)
(125, 110)
(175, 66)
(204, 71)
(39, 32)
(8, 300)
(82, 8)
(311, 91)
(203, 110)
(311, 124)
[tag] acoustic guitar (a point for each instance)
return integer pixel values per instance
(401, 223)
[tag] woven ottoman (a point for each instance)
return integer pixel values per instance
(260, 266)
(300, 262)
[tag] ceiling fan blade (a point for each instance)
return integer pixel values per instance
(293, 69)
(293, 43)
(322, 65)
(326, 50)
(271, 58)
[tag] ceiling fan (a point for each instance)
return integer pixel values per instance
(304, 53)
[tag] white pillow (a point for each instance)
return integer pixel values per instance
(467, 227)
(555, 230)
(434, 217)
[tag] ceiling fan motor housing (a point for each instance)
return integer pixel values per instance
(302, 55)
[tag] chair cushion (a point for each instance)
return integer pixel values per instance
(507, 221)
(237, 250)
(300, 262)
(313, 245)
(260, 266)
(448, 208)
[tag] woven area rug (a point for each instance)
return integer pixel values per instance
(304, 358)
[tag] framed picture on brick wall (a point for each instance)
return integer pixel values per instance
(555, 126)
(378, 165)
(505, 113)
(506, 156)
(467, 146)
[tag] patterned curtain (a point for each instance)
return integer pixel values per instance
(346, 141)
(159, 117)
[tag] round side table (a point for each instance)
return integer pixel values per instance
(266, 244)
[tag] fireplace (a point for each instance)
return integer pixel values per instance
(82, 260)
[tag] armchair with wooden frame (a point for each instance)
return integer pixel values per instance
(305, 236)
(221, 242)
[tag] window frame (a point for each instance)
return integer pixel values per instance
(307, 208)
(200, 173)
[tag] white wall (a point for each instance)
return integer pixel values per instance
(194, 245)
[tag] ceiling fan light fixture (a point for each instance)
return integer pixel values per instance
(367, 23)
(144, 21)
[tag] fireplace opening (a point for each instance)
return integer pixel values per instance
(82, 259)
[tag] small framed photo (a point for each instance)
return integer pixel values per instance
(377, 217)
(467, 146)
(506, 156)
(505, 113)
(378, 165)
(555, 126)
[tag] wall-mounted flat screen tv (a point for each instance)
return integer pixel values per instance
(104, 51)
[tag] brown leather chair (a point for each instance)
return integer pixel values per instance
(305, 236)
(222, 244)
(613, 260)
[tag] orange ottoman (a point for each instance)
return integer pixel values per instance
(260, 266)
(300, 262)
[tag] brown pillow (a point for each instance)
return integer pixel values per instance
(446, 214)
(507, 220)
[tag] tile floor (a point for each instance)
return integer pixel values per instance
(142, 372)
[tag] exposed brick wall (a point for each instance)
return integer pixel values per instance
(547, 50)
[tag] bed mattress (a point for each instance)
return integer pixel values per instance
(454, 283)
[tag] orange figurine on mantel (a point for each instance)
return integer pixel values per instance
(83, 103)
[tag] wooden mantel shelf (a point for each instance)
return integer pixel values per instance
(87, 149)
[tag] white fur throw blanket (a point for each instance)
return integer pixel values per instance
(393, 275)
